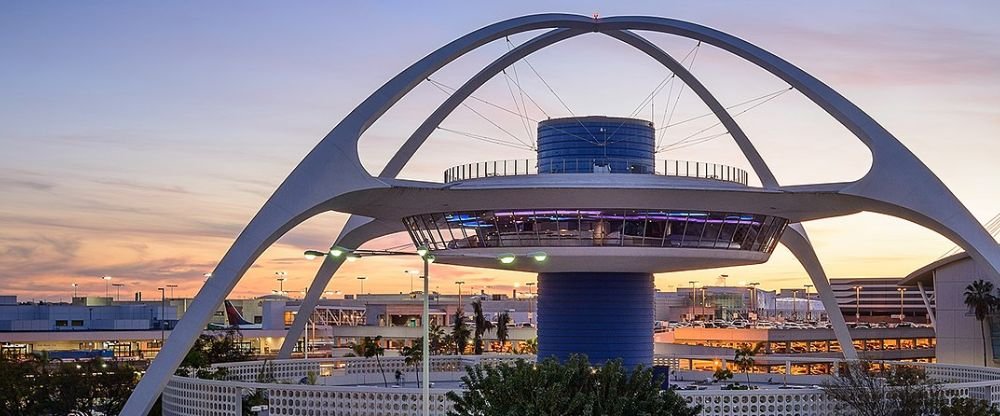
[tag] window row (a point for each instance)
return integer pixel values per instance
(596, 227)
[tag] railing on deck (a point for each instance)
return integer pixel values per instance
(520, 167)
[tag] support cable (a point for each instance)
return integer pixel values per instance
(689, 137)
(522, 117)
(447, 88)
(571, 113)
(517, 81)
(486, 139)
(739, 104)
(488, 120)
(697, 48)
(669, 79)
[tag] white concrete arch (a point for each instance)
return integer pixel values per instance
(898, 183)
(420, 135)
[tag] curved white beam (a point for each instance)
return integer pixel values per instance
(420, 135)
(357, 231)
(797, 241)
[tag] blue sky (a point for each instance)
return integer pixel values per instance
(139, 137)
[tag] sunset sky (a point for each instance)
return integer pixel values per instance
(136, 139)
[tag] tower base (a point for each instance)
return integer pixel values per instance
(603, 315)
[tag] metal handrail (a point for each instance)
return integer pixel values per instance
(521, 167)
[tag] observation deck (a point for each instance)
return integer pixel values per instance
(596, 166)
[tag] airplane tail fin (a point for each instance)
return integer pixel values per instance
(233, 316)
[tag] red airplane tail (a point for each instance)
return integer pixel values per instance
(233, 316)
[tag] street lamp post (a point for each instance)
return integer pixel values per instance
(694, 298)
(281, 282)
(362, 280)
(460, 283)
(75, 285)
(531, 300)
(172, 290)
(857, 303)
(808, 303)
(411, 273)
(795, 304)
(118, 291)
(902, 290)
(107, 286)
(753, 297)
(163, 314)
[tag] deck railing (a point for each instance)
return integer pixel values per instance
(519, 167)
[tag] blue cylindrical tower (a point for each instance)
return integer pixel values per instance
(596, 144)
(603, 315)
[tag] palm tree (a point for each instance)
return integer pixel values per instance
(503, 320)
(744, 358)
(460, 332)
(439, 343)
(979, 297)
(483, 325)
(530, 346)
(371, 348)
(414, 355)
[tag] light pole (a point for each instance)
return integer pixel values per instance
(74, 289)
(901, 290)
(281, 282)
(795, 304)
(107, 286)
(411, 273)
(460, 283)
(694, 298)
(425, 317)
(808, 303)
(163, 314)
(171, 290)
(531, 300)
(118, 291)
(753, 298)
(362, 280)
(857, 303)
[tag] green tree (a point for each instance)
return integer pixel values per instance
(371, 348)
(460, 332)
(979, 297)
(483, 326)
(576, 388)
(744, 359)
(439, 342)
(413, 355)
(722, 374)
(530, 346)
(208, 349)
(969, 407)
(503, 321)
(895, 391)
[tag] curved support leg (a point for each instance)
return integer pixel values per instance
(797, 241)
(356, 232)
(912, 192)
(270, 223)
